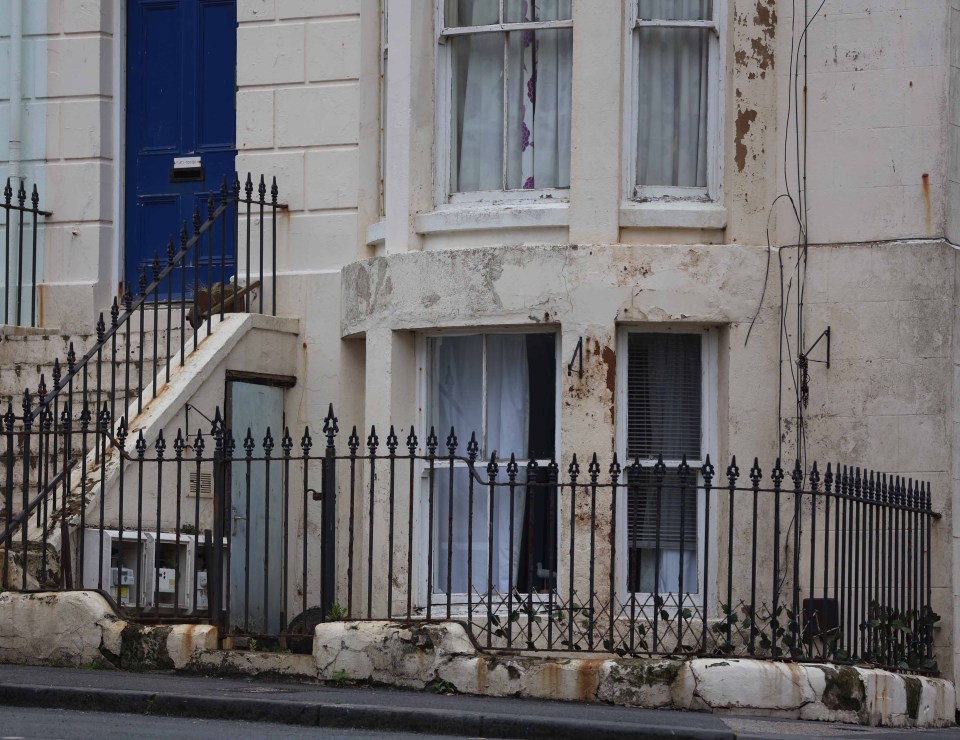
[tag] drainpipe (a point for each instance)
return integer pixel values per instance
(16, 89)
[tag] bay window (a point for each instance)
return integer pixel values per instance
(501, 387)
(504, 78)
(674, 73)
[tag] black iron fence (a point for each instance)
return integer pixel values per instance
(632, 559)
(56, 446)
(21, 231)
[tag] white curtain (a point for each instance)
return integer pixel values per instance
(458, 369)
(672, 100)
(536, 81)
(669, 582)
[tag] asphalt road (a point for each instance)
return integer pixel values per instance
(63, 724)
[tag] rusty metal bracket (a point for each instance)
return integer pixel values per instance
(577, 354)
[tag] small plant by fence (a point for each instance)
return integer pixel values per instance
(624, 558)
(21, 222)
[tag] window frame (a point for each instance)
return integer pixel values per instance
(712, 193)
(709, 354)
(384, 53)
(443, 113)
(424, 400)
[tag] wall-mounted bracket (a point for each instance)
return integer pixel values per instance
(577, 355)
(803, 364)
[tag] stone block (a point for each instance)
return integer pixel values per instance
(255, 10)
(924, 328)
(270, 54)
(924, 443)
(759, 684)
(332, 177)
(306, 249)
(317, 116)
(54, 628)
(79, 191)
(77, 66)
(287, 167)
(87, 16)
(312, 9)
(86, 128)
(642, 683)
(255, 114)
(333, 50)
(186, 640)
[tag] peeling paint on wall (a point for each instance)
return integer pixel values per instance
(744, 119)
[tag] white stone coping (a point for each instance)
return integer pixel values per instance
(500, 216)
(80, 628)
(416, 656)
(676, 215)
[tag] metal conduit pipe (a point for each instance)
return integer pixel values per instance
(16, 88)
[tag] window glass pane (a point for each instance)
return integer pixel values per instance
(664, 395)
(508, 395)
(664, 518)
(542, 369)
(538, 109)
(518, 11)
(452, 544)
(675, 10)
(471, 12)
(672, 106)
(476, 128)
(457, 387)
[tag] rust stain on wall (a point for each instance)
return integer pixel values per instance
(927, 203)
(610, 358)
(745, 119)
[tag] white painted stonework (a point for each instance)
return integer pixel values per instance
(80, 628)
(361, 281)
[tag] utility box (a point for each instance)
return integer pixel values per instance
(119, 564)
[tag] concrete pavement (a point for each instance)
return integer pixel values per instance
(387, 710)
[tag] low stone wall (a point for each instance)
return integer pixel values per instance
(443, 655)
(81, 629)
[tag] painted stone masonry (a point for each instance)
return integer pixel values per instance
(80, 629)
(825, 197)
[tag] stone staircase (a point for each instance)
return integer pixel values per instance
(27, 356)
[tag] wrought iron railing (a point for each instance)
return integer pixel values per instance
(21, 232)
(797, 564)
(56, 444)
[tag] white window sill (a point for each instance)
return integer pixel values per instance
(501, 216)
(377, 233)
(682, 215)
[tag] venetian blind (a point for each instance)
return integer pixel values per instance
(663, 417)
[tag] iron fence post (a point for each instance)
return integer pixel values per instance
(220, 518)
(328, 516)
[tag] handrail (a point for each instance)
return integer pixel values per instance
(105, 334)
(102, 379)
(24, 514)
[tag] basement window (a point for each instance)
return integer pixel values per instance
(665, 404)
(502, 387)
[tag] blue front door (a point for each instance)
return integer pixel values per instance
(181, 108)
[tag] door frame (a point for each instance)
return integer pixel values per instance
(119, 144)
(119, 150)
(283, 382)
